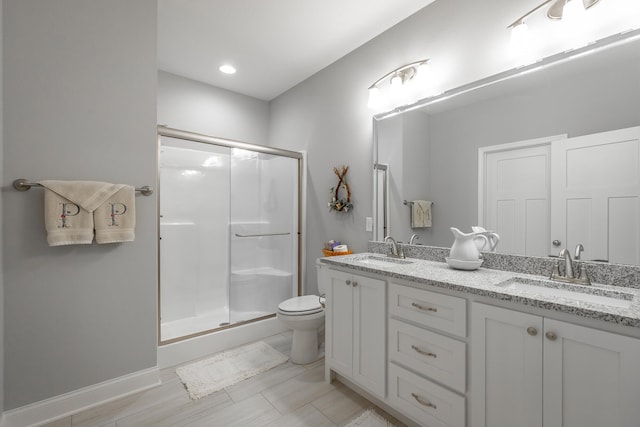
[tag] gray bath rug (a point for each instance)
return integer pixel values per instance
(229, 367)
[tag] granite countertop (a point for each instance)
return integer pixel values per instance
(490, 283)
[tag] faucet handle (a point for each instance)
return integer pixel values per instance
(584, 276)
(555, 270)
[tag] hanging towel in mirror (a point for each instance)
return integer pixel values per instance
(421, 214)
(115, 219)
(69, 207)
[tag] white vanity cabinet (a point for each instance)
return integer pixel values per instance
(528, 371)
(427, 369)
(355, 326)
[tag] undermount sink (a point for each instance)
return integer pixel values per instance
(381, 260)
(590, 295)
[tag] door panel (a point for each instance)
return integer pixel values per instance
(595, 195)
(515, 195)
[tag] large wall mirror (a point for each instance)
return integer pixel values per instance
(434, 151)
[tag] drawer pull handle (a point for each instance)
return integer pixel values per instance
(425, 353)
(423, 308)
(551, 336)
(424, 402)
(348, 282)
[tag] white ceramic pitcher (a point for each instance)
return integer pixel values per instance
(492, 239)
(464, 246)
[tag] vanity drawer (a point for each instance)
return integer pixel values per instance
(431, 309)
(425, 402)
(433, 355)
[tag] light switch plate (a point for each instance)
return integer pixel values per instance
(368, 224)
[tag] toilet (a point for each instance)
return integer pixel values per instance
(305, 315)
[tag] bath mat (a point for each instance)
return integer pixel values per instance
(229, 367)
(369, 418)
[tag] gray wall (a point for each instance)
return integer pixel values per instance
(327, 114)
(402, 144)
(79, 103)
(197, 107)
(415, 182)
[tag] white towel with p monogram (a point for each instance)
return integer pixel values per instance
(73, 209)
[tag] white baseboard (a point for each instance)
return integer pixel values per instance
(70, 403)
(194, 348)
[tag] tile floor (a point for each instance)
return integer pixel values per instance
(286, 396)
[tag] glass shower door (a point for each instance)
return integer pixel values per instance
(264, 224)
(194, 237)
(229, 233)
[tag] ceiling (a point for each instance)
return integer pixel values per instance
(274, 44)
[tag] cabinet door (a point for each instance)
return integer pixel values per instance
(591, 377)
(339, 322)
(506, 368)
(369, 339)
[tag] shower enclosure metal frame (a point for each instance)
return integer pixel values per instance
(164, 131)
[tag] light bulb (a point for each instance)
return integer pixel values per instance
(423, 71)
(519, 36)
(574, 20)
(374, 97)
(396, 81)
(573, 11)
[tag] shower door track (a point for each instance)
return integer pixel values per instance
(207, 139)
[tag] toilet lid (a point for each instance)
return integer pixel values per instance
(306, 304)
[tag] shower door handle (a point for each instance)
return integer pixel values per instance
(262, 235)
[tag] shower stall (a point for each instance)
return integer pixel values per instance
(229, 248)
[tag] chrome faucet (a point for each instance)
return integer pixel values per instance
(579, 249)
(568, 263)
(413, 238)
(396, 251)
(570, 270)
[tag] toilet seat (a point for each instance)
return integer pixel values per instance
(300, 306)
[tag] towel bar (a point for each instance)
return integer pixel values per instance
(411, 203)
(23, 185)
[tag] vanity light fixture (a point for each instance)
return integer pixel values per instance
(569, 9)
(396, 79)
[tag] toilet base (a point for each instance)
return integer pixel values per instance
(304, 346)
(304, 343)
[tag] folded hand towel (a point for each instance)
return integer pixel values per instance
(421, 214)
(86, 194)
(69, 209)
(66, 223)
(115, 219)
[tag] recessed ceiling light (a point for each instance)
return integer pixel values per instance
(227, 69)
